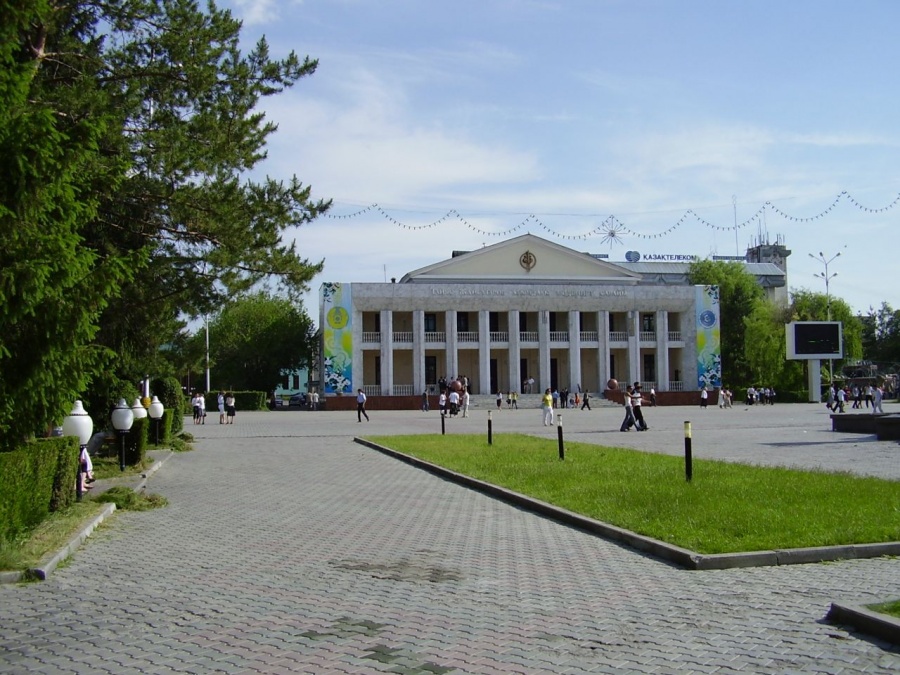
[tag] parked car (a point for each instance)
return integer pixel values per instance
(298, 400)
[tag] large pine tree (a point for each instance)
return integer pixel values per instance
(127, 131)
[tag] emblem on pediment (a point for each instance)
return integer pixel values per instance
(527, 260)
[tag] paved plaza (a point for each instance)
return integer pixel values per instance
(288, 548)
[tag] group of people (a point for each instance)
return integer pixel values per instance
(225, 403)
(870, 394)
(634, 415)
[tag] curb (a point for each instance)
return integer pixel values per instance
(685, 558)
(866, 621)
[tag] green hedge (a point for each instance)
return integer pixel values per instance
(169, 391)
(35, 479)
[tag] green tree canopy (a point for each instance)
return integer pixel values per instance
(128, 130)
(254, 338)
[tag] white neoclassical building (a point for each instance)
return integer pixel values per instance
(523, 309)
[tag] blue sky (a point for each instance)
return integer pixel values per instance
(549, 117)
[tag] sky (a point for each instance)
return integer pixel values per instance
(688, 127)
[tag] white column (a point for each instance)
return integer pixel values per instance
(574, 350)
(602, 350)
(418, 325)
(515, 356)
(387, 352)
(543, 350)
(662, 350)
(634, 349)
(484, 352)
(451, 343)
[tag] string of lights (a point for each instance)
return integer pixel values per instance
(611, 229)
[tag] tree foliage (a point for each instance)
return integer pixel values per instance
(881, 335)
(128, 130)
(254, 338)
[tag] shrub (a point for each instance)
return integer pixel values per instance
(168, 389)
(33, 479)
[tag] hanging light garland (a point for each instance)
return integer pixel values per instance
(612, 229)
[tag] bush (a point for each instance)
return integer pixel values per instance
(34, 478)
(168, 389)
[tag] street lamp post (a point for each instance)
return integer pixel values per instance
(122, 420)
(827, 277)
(156, 413)
(79, 423)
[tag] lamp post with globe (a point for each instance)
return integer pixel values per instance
(156, 412)
(78, 423)
(122, 420)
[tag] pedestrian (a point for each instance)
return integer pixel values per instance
(628, 422)
(454, 403)
(841, 399)
(636, 400)
(442, 402)
(547, 407)
(515, 400)
(555, 396)
(509, 400)
(586, 400)
(229, 407)
(721, 398)
(202, 400)
(220, 402)
(465, 402)
(704, 397)
(652, 397)
(195, 405)
(877, 397)
(314, 397)
(361, 406)
(499, 399)
(424, 401)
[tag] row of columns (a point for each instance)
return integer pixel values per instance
(516, 377)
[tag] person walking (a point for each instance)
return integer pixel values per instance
(652, 397)
(704, 397)
(220, 402)
(229, 407)
(586, 400)
(465, 402)
(424, 401)
(499, 399)
(361, 406)
(547, 407)
(629, 411)
(515, 400)
(442, 403)
(636, 399)
(877, 397)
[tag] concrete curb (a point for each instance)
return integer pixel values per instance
(866, 621)
(49, 563)
(682, 557)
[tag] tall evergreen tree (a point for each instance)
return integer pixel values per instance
(128, 130)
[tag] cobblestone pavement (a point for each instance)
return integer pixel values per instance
(288, 548)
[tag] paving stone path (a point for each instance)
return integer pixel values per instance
(288, 548)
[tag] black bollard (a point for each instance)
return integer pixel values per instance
(559, 437)
(688, 459)
(122, 452)
(443, 428)
(490, 424)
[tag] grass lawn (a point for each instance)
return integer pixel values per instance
(49, 536)
(890, 608)
(726, 508)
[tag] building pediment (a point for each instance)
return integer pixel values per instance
(525, 259)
